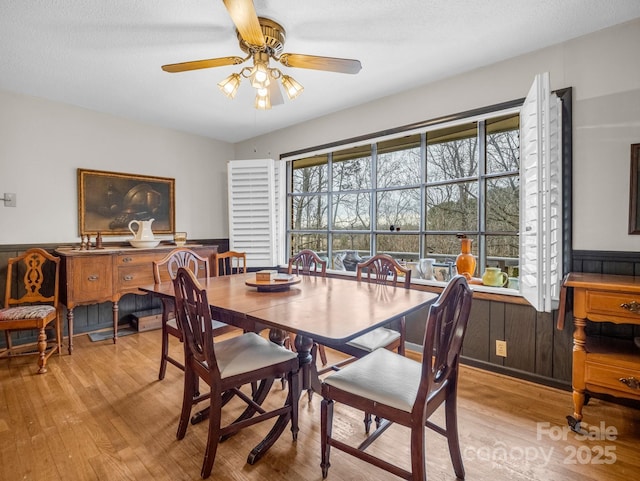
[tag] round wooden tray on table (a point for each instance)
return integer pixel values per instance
(273, 285)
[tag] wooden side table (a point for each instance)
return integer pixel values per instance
(601, 364)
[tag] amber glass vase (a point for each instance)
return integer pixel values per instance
(466, 262)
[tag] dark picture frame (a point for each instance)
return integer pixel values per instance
(634, 201)
(108, 201)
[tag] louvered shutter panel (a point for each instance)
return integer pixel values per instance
(252, 213)
(541, 206)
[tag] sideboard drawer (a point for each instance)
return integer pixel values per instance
(610, 304)
(130, 277)
(609, 376)
(130, 259)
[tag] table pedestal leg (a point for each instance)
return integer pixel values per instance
(310, 379)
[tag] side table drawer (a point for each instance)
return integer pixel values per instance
(610, 304)
(609, 376)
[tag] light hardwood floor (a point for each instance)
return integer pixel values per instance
(101, 414)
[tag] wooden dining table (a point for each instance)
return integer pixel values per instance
(327, 310)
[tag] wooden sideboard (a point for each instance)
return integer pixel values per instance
(101, 275)
(602, 364)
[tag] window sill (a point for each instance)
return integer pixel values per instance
(500, 294)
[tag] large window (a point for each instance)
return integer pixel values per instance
(411, 196)
(500, 176)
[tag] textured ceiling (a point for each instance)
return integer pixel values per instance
(106, 55)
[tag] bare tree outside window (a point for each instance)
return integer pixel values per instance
(421, 190)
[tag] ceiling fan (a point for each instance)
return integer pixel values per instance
(263, 39)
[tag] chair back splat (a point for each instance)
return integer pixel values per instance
(306, 263)
(405, 391)
(383, 269)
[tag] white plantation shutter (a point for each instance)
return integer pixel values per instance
(252, 213)
(541, 206)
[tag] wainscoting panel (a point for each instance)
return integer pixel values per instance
(536, 350)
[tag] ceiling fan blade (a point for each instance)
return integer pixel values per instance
(244, 16)
(198, 64)
(332, 64)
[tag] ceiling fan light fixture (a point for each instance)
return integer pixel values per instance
(291, 87)
(262, 40)
(263, 102)
(229, 86)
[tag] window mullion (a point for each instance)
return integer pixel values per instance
(373, 201)
(482, 199)
(330, 208)
(422, 248)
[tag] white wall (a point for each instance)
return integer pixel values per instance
(604, 72)
(43, 143)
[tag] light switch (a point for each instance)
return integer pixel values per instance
(9, 200)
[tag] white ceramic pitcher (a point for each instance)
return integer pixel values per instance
(425, 268)
(143, 232)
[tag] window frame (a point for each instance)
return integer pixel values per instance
(482, 114)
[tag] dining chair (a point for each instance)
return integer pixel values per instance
(307, 263)
(31, 302)
(229, 262)
(226, 366)
(165, 270)
(381, 269)
(404, 391)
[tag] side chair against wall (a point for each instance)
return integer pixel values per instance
(230, 262)
(31, 302)
(165, 270)
(226, 366)
(307, 263)
(405, 391)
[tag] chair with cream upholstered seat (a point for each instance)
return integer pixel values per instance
(165, 270)
(401, 390)
(379, 269)
(225, 366)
